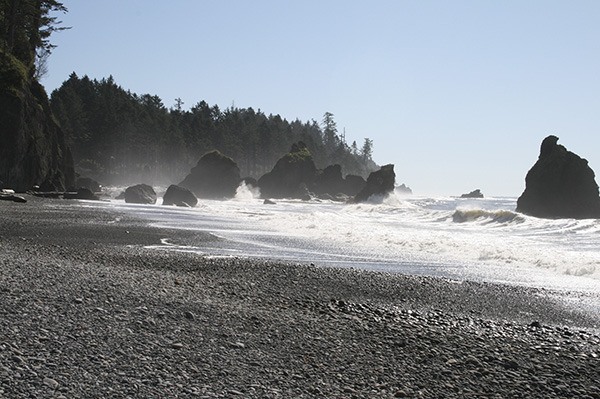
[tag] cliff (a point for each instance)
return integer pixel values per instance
(33, 148)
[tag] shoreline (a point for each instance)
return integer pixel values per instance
(89, 312)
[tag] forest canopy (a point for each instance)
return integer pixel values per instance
(119, 137)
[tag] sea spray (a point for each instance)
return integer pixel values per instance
(246, 192)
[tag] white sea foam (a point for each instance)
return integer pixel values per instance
(477, 239)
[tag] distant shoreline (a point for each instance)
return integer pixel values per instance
(87, 311)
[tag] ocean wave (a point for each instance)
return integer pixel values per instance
(482, 215)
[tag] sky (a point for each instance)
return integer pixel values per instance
(458, 95)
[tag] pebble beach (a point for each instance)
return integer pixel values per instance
(87, 310)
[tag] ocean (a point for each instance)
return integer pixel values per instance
(462, 239)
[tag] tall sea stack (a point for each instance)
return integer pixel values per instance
(560, 185)
(33, 148)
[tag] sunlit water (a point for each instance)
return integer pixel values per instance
(466, 239)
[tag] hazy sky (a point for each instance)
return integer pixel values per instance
(457, 94)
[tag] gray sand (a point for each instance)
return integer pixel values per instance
(87, 312)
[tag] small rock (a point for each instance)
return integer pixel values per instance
(177, 345)
(18, 359)
(50, 383)
(189, 315)
(78, 300)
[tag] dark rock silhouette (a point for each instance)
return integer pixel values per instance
(215, 176)
(179, 196)
(329, 181)
(404, 189)
(33, 148)
(140, 194)
(353, 184)
(473, 194)
(291, 175)
(560, 185)
(380, 182)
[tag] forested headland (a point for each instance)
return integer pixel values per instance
(120, 137)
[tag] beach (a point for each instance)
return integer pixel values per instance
(89, 310)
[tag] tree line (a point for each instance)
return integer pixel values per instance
(118, 136)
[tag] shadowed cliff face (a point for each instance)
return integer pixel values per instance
(33, 149)
(560, 185)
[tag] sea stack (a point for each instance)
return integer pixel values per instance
(216, 176)
(380, 182)
(560, 185)
(291, 176)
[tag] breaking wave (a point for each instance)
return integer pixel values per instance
(486, 216)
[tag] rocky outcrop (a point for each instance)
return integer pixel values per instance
(560, 185)
(473, 194)
(404, 189)
(140, 194)
(291, 175)
(329, 181)
(33, 148)
(353, 185)
(215, 176)
(179, 196)
(380, 183)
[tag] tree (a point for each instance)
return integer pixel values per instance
(25, 30)
(367, 150)
(330, 137)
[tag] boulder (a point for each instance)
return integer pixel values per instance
(353, 184)
(140, 194)
(179, 196)
(380, 182)
(329, 181)
(473, 194)
(215, 176)
(33, 148)
(560, 185)
(291, 175)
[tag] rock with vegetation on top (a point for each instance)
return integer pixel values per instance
(473, 194)
(216, 176)
(380, 183)
(140, 194)
(179, 196)
(291, 175)
(33, 148)
(560, 185)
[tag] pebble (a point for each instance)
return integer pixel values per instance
(50, 382)
(282, 336)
